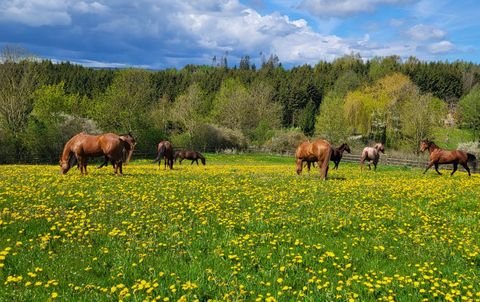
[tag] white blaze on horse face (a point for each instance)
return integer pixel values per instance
(423, 146)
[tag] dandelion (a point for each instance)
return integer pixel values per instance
(189, 285)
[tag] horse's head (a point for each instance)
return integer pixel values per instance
(64, 167)
(67, 163)
(129, 144)
(299, 166)
(425, 145)
(380, 147)
(347, 147)
(203, 160)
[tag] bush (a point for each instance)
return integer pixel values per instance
(208, 137)
(285, 141)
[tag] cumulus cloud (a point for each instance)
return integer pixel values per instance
(35, 12)
(165, 33)
(421, 32)
(92, 7)
(342, 8)
(441, 47)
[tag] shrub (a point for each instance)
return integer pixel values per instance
(208, 137)
(285, 141)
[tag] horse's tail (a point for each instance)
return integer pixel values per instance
(161, 152)
(471, 158)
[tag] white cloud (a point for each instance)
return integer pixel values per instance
(165, 33)
(441, 47)
(89, 7)
(396, 22)
(341, 8)
(421, 32)
(35, 12)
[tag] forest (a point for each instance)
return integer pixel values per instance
(235, 106)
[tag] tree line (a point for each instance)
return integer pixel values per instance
(217, 107)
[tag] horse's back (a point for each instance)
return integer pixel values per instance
(166, 148)
(302, 150)
(448, 157)
(369, 153)
(321, 149)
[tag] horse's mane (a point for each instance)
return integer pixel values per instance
(431, 144)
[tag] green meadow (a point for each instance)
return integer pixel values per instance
(241, 228)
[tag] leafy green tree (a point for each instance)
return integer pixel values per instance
(469, 111)
(383, 66)
(54, 119)
(187, 109)
(123, 107)
(373, 110)
(307, 119)
(419, 115)
(251, 111)
(18, 80)
(330, 122)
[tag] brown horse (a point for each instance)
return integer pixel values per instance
(82, 146)
(439, 156)
(319, 151)
(127, 153)
(371, 155)
(337, 154)
(165, 151)
(194, 156)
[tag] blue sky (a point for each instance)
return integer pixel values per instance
(161, 34)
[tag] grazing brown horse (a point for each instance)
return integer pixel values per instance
(439, 156)
(194, 156)
(371, 155)
(82, 146)
(165, 151)
(318, 151)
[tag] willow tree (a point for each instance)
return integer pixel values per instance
(373, 110)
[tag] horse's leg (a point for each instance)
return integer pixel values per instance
(120, 165)
(323, 166)
(466, 168)
(105, 163)
(436, 169)
(192, 162)
(83, 164)
(430, 164)
(336, 165)
(455, 165)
